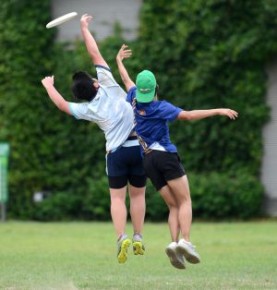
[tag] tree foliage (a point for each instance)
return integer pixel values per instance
(50, 152)
(211, 54)
(205, 54)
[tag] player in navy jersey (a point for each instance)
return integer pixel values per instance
(160, 157)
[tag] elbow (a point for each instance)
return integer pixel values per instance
(63, 106)
(189, 116)
(60, 106)
(186, 116)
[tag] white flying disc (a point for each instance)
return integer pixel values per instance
(61, 19)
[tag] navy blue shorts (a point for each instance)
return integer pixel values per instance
(125, 165)
(162, 166)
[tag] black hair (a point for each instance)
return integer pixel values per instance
(156, 89)
(82, 87)
(156, 92)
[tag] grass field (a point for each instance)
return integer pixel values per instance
(69, 256)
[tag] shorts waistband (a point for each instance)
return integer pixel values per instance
(131, 141)
(132, 137)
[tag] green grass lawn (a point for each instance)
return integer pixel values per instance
(67, 256)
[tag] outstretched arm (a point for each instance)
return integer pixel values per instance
(54, 95)
(124, 52)
(90, 42)
(201, 114)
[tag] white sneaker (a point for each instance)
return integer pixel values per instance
(175, 258)
(187, 249)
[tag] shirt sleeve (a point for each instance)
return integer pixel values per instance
(104, 76)
(168, 111)
(78, 110)
(131, 94)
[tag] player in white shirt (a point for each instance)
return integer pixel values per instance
(103, 102)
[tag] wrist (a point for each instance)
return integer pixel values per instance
(48, 87)
(84, 27)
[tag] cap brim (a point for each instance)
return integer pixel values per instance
(145, 98)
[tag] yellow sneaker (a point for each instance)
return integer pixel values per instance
(138, 248)
(122, 253)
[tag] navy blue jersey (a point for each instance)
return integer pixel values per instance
(152, 121)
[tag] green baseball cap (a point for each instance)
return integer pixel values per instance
(146, 86)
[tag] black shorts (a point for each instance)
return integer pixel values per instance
(162, 166)
(125, 165)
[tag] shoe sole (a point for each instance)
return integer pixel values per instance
(138, 248)
(193, 259)
(175, 262)
(123, 253)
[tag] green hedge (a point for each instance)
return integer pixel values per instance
(215, 196)
(221, 196)
(25, 47)
(204, 53)
(211, 54)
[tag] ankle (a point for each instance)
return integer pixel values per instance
(137, 237)
(185, 241)
(122, 237)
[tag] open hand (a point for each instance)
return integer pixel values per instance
(85, 20)
(124, 52)
(229, 113)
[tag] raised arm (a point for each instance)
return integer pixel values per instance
(54, 95)
(90, 42)
(201, 114)
(124, 52)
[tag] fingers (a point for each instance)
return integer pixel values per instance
(125, 52)
(232, 114)
(124, 47)
(86, 18)
(48, 80)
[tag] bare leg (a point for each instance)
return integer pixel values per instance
(176, 260)
(173, 219)
(180, 189)
(137, 207)
(118, 210)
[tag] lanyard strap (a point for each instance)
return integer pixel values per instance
(142, 143)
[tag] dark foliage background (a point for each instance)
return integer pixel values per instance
(205, 54)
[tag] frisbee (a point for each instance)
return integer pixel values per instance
(61, 19)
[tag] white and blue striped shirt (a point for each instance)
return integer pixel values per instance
(109, 110)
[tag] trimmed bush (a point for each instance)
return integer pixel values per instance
(218, 196)
(204, 53)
